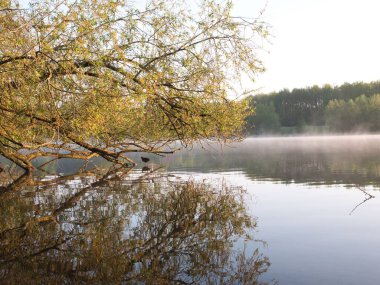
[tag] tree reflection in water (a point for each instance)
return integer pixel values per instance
(140, 230)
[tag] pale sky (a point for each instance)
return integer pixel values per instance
(315, 42)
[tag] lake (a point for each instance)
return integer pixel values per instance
(291, 210)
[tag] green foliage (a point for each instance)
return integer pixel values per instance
(265, 120)
(113, 78)
(361, 114)
(301, 108)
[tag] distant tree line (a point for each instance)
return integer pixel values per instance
(345, 108)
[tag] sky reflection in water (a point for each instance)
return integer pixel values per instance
(144, 229)
(299, 199)
(315, 199)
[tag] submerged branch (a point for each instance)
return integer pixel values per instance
(368, 197)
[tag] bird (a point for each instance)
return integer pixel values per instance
(145, 169)
(145, 159)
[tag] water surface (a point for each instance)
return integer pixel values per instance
(301, 210)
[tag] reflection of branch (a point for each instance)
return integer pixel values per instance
(113, 174)
(26, 179)
(76, 197)
(368, 197)
(25, 228)
(365, 192)
(177, 233)
(55, 246)
(22, 180)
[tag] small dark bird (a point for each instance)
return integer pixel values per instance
(145, 159)
(145, 169)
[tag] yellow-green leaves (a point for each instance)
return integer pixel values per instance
(120, 77)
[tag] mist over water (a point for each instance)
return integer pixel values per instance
(315, 198)
(352, 159)
(309, 204)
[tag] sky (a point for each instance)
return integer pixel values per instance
(317, 42)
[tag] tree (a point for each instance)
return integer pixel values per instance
(103, 78)
(265, 120)
(308, 105)
(361, 114)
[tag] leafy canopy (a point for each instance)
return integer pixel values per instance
(101, 77)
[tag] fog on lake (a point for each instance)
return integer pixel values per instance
(285, 210)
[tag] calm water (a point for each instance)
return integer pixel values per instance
(264, 211)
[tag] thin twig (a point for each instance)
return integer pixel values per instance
(368, 197)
